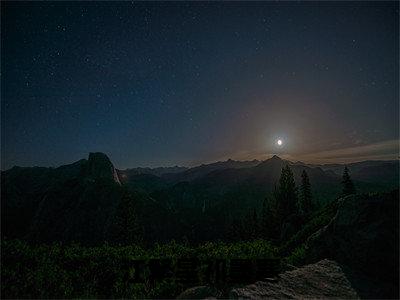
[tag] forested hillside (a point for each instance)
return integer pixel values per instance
(86, 200)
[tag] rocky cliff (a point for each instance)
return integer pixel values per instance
(364, 236)
(100, 166)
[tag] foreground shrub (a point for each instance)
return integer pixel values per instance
(73, 271)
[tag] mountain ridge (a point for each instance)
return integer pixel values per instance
(99, 165)
(177, 168)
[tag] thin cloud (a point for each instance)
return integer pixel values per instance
(381, 150)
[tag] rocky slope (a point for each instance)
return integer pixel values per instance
(321, 280)
(363, 235)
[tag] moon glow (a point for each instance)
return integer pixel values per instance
(279, 142)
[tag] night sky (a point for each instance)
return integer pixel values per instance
(164, 83)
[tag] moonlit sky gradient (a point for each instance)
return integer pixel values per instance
(165, 83)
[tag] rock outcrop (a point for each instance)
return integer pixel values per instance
(322, 280)
(100, 166)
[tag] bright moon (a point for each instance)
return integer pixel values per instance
(279, 142)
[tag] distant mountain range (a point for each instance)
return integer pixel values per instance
(222, 177)
(151, 171)
(371, 170)
(78, 201)
(374, 171)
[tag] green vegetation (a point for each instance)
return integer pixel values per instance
(297, 257)
(294, 249)
(74, 271)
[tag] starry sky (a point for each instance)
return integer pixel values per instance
(168, 83)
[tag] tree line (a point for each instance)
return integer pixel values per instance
(289, 208)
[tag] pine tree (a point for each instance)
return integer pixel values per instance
(286, 195)
(348, 186)
(305, 194)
